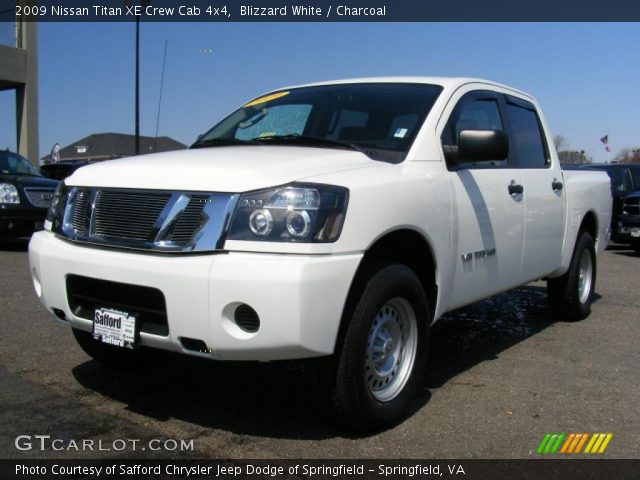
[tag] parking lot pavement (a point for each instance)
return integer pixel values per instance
(501, 375)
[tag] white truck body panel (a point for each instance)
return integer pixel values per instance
(300, 289)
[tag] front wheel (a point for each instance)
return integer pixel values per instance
(570, 295)
(372, 379)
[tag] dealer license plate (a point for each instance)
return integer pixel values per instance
(635, 232)
(114, 327)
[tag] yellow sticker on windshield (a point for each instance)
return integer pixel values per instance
(265, 99)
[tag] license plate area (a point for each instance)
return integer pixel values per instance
(115, 327)
(86, 295)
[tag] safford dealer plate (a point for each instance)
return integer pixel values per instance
(114, 327)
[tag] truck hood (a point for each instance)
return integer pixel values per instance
(220, 169)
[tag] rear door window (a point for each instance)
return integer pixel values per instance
(527, 142)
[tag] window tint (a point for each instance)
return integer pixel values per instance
(478, 115)
(347, 121)
(472, 114)
(278, 120)
(382, 118)
(618, 179)
(526, 139)
(635, 174)
(403, 126)
(13, 164)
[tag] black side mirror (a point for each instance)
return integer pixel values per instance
(482, 146)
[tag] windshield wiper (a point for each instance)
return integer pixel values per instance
(222, 142)
(311, 141)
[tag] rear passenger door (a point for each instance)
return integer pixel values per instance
(544, 195)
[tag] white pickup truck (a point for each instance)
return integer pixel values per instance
(336, 220)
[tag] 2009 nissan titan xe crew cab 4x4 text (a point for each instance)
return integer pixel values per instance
(335, 220)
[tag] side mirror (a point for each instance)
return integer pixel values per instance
(482, 146)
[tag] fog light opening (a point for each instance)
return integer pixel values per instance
(59, 313)
(246, 318)
(194, 345)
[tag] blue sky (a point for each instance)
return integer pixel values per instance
(586, 76)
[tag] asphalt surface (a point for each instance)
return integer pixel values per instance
(502, 373)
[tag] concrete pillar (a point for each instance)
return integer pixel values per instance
(27, 95)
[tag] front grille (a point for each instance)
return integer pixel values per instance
(632, 206)
(86, 294)
(632, 210)
(127, 216)
(189, 220)
(147, 219)
(80, 215)
(39, 197)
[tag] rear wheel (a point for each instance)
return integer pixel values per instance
(570, 295)
(372, 379)
(109, 355)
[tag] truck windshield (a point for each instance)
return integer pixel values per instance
(378, 119)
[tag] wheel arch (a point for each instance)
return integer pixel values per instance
(589, 224)
(405, 246)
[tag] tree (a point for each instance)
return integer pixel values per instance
(628, 155)
(560, 142)
(574, 157)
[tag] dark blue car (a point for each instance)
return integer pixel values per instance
(629, 223)
(25, 196)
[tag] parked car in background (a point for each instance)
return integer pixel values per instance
(25, 196)
(625, 179)
(629, 224)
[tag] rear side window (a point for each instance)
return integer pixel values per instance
(635, 175)
(619, 179)
(527, 143)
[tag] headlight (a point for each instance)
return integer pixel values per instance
(56, 209)
(293, 213)
(9, 193)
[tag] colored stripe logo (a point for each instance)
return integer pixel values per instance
(574, 443)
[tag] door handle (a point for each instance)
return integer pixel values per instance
(556, 185)
(515, 188)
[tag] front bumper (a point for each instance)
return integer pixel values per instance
(18, 222)
(299, 298)
(628, 228)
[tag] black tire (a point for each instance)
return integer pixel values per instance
(340, 382)
(564, 293)
(109, 355)
(635, 244)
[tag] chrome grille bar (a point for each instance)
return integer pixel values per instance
(148, 219)
(128, 216)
